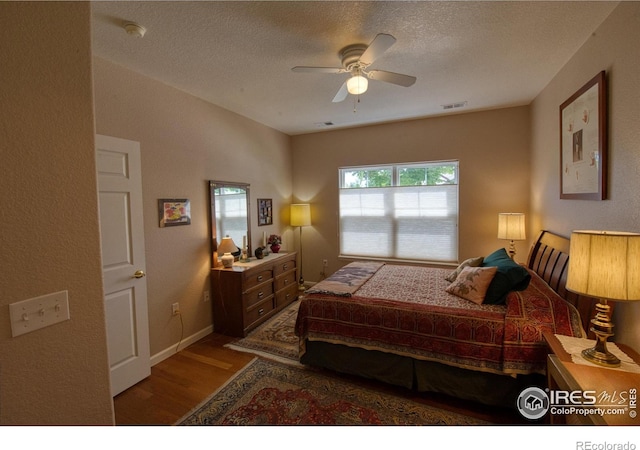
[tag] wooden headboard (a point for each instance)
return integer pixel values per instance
(549, 258)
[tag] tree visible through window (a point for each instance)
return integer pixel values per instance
(400, 211)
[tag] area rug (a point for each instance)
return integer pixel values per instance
(268, 392)
(275, 338)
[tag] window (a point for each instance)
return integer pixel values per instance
(400, 211)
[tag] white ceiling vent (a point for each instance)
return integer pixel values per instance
(454, 105)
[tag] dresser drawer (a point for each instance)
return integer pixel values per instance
(284, 266)
(259, 311)
(286, 296)
(257, 294)
(254, 278)
(285, 280)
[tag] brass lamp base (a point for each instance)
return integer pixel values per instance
(301, 286)
(602, 327)
(606, 358)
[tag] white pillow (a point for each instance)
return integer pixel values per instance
(471, 262)
(472, 283)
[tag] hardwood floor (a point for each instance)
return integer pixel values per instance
(181, 382)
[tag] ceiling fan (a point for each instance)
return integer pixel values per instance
(355, 60)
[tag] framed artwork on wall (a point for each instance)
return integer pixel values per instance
(265, 214)
(174, 212)
(583, 142)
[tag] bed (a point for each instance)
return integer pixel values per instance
(398, 324)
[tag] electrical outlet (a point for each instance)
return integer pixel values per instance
(175, 309)
(206, 296)
(325, 266)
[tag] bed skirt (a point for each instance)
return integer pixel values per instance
(421, 376)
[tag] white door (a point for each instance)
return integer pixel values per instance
(123, 260)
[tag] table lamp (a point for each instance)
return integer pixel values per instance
(226, 247)
(300, 217)
(604, 265)
(511, 227)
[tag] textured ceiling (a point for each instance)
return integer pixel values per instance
(239, 55)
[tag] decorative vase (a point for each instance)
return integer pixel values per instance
(275, 248)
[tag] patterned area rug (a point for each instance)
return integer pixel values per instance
(275, 338)
(267, 392)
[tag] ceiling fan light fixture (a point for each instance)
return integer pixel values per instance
(357, 85)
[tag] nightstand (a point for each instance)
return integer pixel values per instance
(622, 387)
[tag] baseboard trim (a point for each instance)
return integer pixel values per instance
(170, 351)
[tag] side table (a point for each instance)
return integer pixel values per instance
(611, 387)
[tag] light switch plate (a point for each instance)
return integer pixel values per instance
(38, 312)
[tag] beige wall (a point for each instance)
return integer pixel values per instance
(49, 219)
(612, 47)
(184, 142)
(493, 150)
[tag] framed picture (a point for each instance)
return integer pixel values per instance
(265, 216)
(174, 212)
(583, 142)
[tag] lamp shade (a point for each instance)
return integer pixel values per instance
(300, 215)
(605, 264)
(511, 226)
(227, 246)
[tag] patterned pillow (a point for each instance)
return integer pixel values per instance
(471, 262)
(472, 283)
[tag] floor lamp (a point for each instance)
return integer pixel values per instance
(300, 217)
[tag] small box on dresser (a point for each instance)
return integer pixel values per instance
(247, 294)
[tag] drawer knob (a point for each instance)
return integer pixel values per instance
(261, 311)
(259, 277)
(286, 281)
(285, 267)
(260, 294)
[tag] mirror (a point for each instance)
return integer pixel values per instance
(230, 214)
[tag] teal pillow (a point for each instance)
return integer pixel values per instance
(510, 276)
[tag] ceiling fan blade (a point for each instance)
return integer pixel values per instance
(378, 46)
(318, 69)
(391, 77)
(342, 93)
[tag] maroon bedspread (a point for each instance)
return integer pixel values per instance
(529, 313)
(404, 310)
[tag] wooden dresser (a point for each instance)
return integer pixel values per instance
(247, 294)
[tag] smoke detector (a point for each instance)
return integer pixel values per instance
(134, 29)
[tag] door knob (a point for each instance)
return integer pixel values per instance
(139, 274)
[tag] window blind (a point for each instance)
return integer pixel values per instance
(401, 222)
